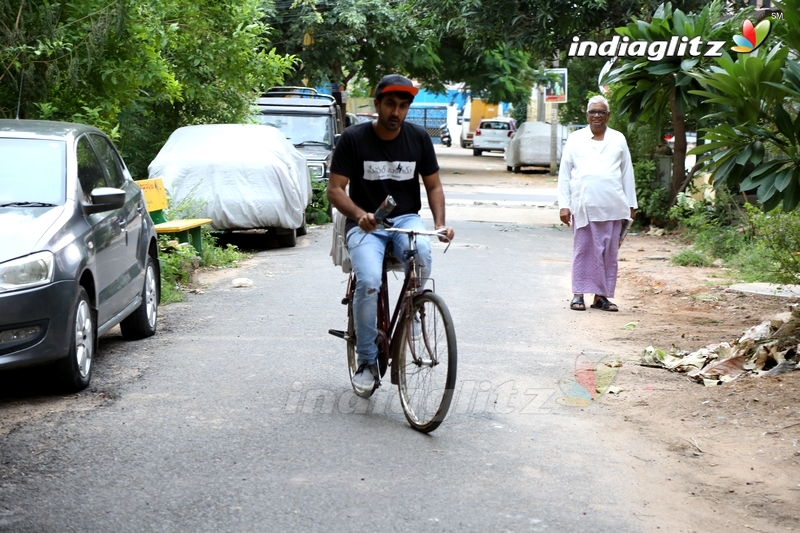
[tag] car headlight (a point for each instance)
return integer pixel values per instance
(26, 272)
(316, 171)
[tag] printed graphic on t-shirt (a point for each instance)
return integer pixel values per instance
(389, 170)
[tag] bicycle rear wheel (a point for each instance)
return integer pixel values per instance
(426, 362)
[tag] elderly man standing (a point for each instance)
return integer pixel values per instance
(597, 195)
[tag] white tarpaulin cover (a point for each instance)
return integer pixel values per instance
(248, 175)
(339, 252)
(530, 145)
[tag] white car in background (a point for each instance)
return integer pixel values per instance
(243, 177)
(493, 135)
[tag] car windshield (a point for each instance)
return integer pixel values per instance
(33, 171)
(300, 129)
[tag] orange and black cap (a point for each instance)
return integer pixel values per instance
(395, 83)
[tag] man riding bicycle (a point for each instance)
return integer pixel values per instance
(381, 158)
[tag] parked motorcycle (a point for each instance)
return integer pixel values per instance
(444, 135)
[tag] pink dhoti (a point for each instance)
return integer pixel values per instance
(595, 250)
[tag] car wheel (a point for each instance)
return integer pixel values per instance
(302, 230)
(142, 322)
(477, 152)
(288, 239)
(515, 170)
(509, 169)
(75, 371)
(463, 144)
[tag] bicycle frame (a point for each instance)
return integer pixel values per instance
(411, 288)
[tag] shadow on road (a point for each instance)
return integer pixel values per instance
(31, 382)
(249, 241)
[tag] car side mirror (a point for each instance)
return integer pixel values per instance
(105, 199)
(336, 139)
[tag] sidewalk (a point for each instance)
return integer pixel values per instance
(517, 214)
(768, 289)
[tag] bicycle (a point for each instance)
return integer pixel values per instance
(422, 357)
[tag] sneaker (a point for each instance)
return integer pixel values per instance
(365, 379)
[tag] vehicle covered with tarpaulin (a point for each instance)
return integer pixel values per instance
(530, 145)
(241, 176)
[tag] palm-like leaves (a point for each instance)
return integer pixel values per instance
(647, 89)
(756, 144)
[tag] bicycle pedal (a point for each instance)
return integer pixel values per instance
(345, 301)
(338, 333)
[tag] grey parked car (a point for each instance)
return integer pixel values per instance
(78, 251)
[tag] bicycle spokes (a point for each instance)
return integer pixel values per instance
(427, 363)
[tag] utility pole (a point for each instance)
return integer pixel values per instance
(540, 105)
(554, 132)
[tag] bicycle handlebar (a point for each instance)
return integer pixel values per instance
(438, 233)
(441, 233)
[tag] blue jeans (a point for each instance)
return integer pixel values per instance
(366, 254)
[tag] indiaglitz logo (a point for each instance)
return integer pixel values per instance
(652, 50)
(590, 381)
(751, 37)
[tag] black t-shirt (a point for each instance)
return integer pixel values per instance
(378, 168)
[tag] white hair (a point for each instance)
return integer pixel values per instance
(597, 99)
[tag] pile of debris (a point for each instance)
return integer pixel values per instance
(770, 348)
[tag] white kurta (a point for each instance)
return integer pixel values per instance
(595, 179)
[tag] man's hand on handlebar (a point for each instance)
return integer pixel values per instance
(367, 222)
(449, 233)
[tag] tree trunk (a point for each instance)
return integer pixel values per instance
(678, 151)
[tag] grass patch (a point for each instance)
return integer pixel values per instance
(216, 256)
(318, 211)
(691, 257)
(179, 261)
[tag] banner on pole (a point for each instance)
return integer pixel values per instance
(555, 92)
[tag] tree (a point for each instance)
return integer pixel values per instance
(542, 28)
(646, 90)
(500, 74)
(341, 40)
(581, 82)
(136, 68)
(215, 57)
(756, 98)
(68, 60)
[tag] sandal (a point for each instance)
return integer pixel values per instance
(603, 303)
(577, 304)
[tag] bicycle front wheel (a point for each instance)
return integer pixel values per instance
(426, 362)
(352, 360)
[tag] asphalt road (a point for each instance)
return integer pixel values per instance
(238, 415)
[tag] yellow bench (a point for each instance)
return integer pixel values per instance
(186, 230)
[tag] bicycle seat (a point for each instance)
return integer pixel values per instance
(391, 262)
